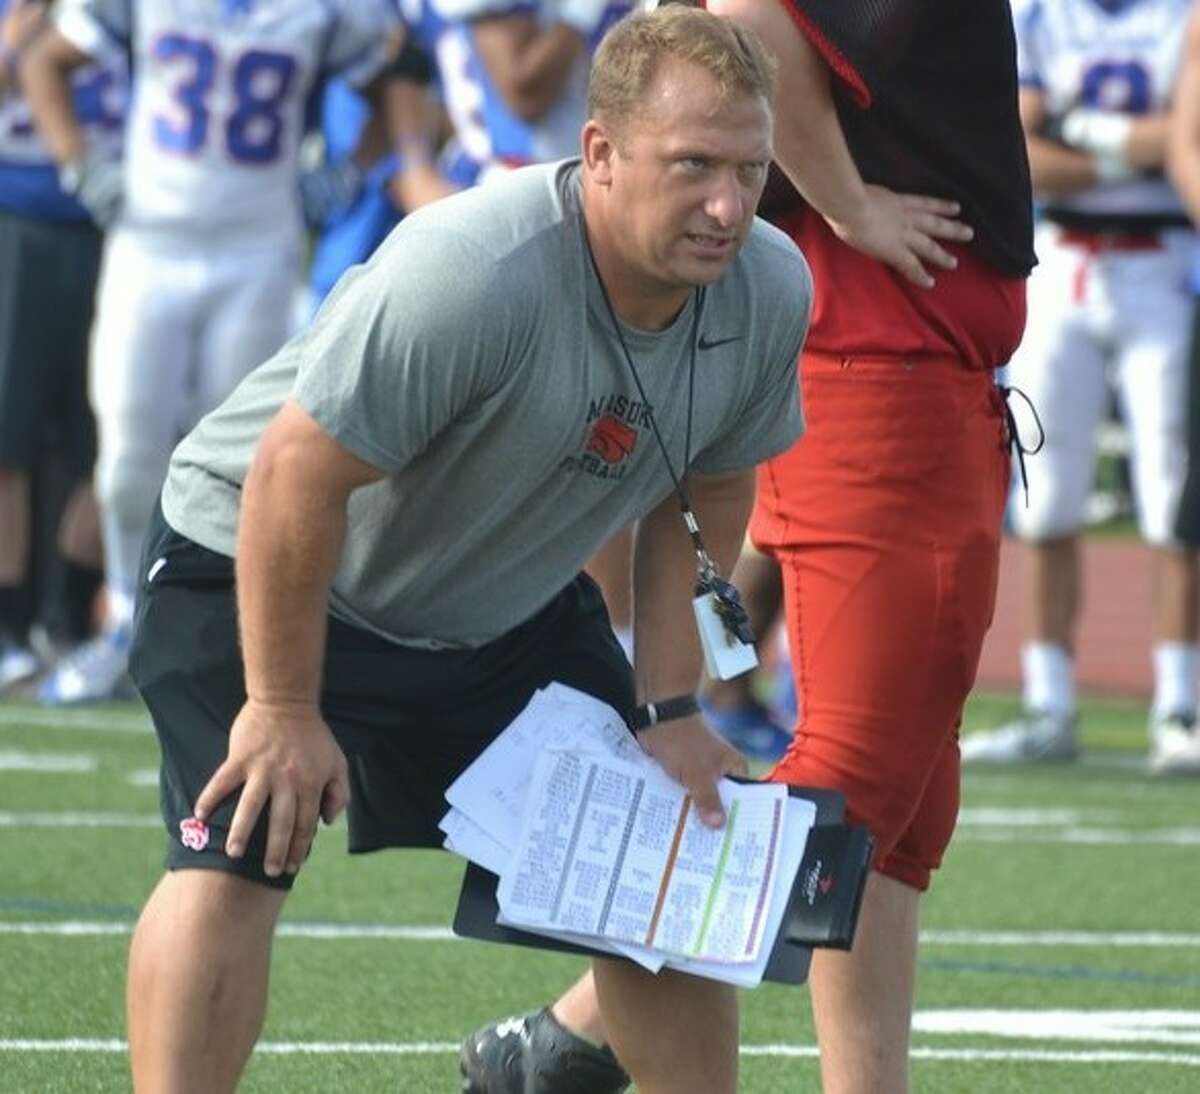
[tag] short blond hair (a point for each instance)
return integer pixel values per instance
(632, 52)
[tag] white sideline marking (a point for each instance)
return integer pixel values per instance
(1161, 1027)
(1130, 939)
(336, 932)
(995, 817)
(80, 820)
(1171, 837)
(339, 932)
(324, 931)
(143, 776)
(55, 762)
(1167, 837)
(973, 1055)
(443, 1048)
(68, 929)
(97, 720)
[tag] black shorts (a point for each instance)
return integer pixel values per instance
(409, 720)
(48, 272)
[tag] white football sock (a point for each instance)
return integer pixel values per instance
(1176, 666)
(1049, 677)
(119, 605)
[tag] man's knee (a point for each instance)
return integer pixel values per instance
(214, 902)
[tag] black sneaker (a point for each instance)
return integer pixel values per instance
(536, 1054)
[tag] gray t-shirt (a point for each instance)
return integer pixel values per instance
(474, 360)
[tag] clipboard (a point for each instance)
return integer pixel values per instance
(822, 910)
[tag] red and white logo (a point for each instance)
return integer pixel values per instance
(194, 833)
(611, 439)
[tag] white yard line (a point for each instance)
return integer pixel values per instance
(142, 776)
(91, 719)
(990, 816)
(1129, 939)
(332, 932)
(80, 820)
(1168, 837)
(443, 1048)
(1036, 1056)
(58, 763)
(1129, 1027)
(343, 932)
(1132, 837)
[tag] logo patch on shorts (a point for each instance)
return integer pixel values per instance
(193, 833)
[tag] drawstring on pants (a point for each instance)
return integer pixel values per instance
(1015, 444)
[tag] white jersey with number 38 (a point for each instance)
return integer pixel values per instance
(219, 95)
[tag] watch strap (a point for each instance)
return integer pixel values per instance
(664, 710)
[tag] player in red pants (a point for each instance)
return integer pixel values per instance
(886, 515)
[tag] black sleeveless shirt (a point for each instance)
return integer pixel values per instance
(926, 92)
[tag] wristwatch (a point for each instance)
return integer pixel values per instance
(665, 710)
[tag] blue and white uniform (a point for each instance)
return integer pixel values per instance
(354, 233)
(201, 267)
(220, 91)
(488, 130)
(1108, 302)
(28, 174)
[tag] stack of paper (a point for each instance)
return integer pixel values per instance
(595, 844)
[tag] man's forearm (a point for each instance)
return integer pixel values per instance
(1147, 144)
(1183, 135)
(529, 64)
(289, 542)
(45, 72)
(1056, 170)
(809, 143)
(412, 122)
(668, 654)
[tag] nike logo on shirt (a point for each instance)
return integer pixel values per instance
(705, 343)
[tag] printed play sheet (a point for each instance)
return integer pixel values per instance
(615, 850)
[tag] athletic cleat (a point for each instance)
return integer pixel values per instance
(95, 671)
(17, 664)
(536, 1054)
(749, 729)
(1175, 744)
(1037, 736)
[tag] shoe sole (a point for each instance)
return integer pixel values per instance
(1174, 769)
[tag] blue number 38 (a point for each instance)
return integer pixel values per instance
(260, 80)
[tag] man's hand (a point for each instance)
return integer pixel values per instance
(695, 757)
(286, 755)
(329, 190)
(98, 184)
(903, 230)
(419, 185)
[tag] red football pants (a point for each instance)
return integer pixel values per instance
(885, 518)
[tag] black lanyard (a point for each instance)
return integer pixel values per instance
(726, 599)
(707, 569)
